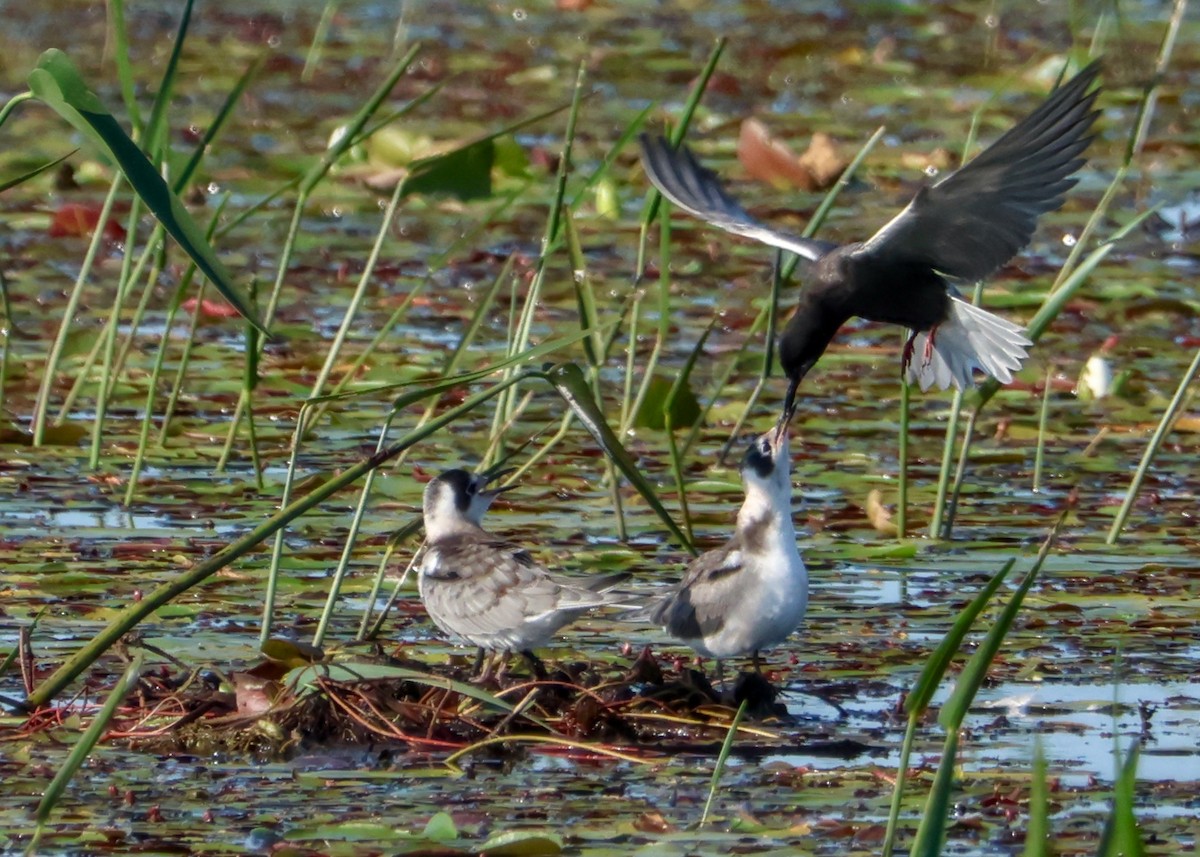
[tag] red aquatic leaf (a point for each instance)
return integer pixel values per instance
(79, 219)
(210, 308)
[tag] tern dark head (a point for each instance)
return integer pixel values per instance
(962, 228)
(767, 466)
(457, 497)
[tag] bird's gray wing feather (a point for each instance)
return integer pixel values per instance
(697, 190)
(697, 606)
(490, 586)
(973, 221)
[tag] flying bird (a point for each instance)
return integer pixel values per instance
(958, 229)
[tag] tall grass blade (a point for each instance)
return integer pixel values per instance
(155, 142)
(108, 338)
(935, 667)
(917, 700)
(1039, 456)
(339, 573)
(954, 710)
(360, 291)
(653, 197)
(585, 296)
(35, 172)
(394, 541)
(931, 832)
(1037, 834)
(669, 410)
(1156, 440)
(121, 55)
(180, 182)
(764, 374)
(571, 384)
(664, 318)
(50, 369)
(313, 57)
(902, 461)
(722, 757)
(12, 103)
(87, 741)
(519, 340)
(1121, 837)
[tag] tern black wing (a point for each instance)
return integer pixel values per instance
(697, 190)
(973, 221)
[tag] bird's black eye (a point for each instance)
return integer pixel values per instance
(471, 489)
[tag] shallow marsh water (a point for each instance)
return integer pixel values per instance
(1105, 650)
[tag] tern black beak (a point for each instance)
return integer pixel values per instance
(789, 408)
(491, 475)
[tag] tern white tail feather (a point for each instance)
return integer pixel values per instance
(971, 338)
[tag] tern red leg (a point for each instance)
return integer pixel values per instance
(929, 345)
(908, 351)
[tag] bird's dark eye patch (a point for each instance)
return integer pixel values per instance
(759, 457)
(462, 484)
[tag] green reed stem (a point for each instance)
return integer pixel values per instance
(50, 370)
(84, 746)
(313, 57)
(1039, 457)
(1160, 434)
(339, 573)
(1037, 834)
(108, 336)
(918, 699)
(653, 198)
(185, 356)
(664, 318)
(902, 463)
(722, 758)
(7, 325)
(394, 541)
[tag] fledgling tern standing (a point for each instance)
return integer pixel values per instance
(485, 590)
(750, 593)
(962, 227)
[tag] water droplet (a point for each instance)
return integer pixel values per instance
(931, 170)
(519, 15)
(991, 22)
(1069, 240)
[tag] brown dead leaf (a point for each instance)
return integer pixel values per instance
(653, 822)
(878, 515)
(772, 161)
(823, 160)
